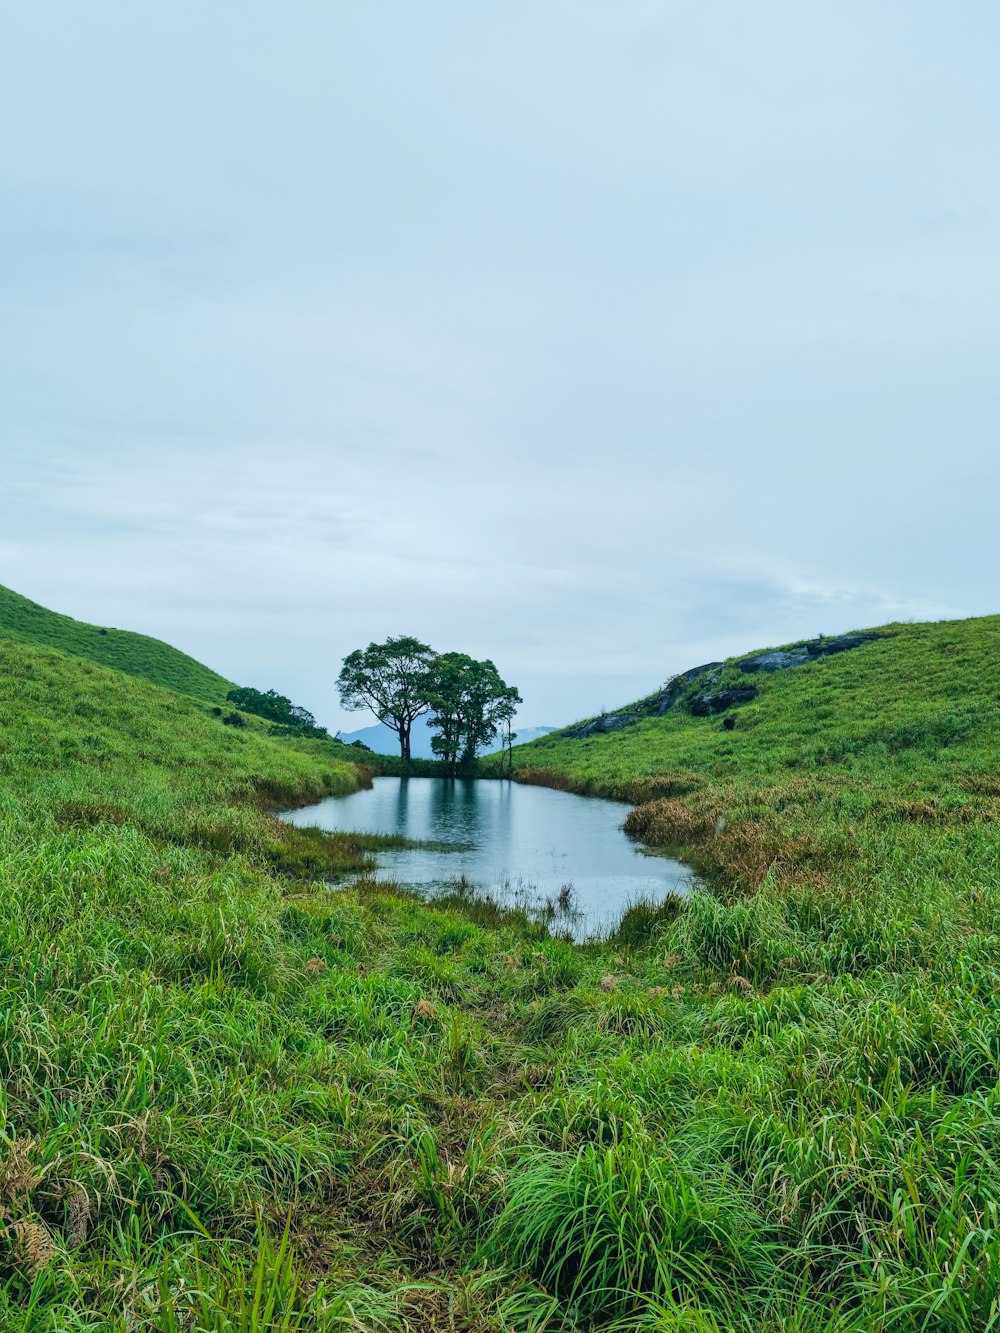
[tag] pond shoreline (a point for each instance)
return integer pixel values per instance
(521, 845)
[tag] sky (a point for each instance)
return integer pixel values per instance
(598, 337)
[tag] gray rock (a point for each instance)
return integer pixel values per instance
(821, 647)
(674, 688)
(615, 721)
(708, 673)
(600, 725)
(780, 660)
(773, 661)
(707, 704)
(655, 706)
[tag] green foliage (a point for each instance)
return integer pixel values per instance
(401, 679)
(135, 654)
(290, 718)
(469, 703)
(609, 1227)
(643, 923)
(388, 678)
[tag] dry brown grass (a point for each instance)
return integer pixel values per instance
(926, 811)
(19, 1177)
(635, 791)
(672, 822)
(79, 1217)
(742, 842)
(33, 1246)
(544, 777)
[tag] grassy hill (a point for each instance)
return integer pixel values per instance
(913, 711)
(897, 733)
(236, 1101)
(229, 1097)
(135, 654)
(822, 1066)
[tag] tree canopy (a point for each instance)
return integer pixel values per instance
(468, 702)
(388, 678)
(276, 708)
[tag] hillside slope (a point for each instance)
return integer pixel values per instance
(834, 1016)
(135, 654)
(72, 728)
(860, 748)
(912, 716)
(235, 1100)
(201, 1045)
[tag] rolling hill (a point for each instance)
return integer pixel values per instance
(134, 654)
(908, 705)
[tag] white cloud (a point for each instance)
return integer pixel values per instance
(601, 338)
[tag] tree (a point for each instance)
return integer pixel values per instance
(390, 679)
(276, 708)
(469, 704)
(507, 735)
(490, 704)
(264, 703)
(444, 690)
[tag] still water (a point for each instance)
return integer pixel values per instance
(522, 844)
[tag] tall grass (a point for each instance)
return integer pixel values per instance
(232, 1098)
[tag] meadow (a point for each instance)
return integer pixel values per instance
(235, 1098)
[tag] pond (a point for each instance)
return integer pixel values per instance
(521, 844)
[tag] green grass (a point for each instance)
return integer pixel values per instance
(233, 1099)
(828, 1041)
(135, 654)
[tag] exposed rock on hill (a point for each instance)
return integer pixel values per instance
(774, 661)
(600, 725)
(778, 661)
(653, 706)
(704, 705)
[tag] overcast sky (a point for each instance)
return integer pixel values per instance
(600, 337)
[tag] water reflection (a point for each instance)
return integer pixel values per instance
(517, 841)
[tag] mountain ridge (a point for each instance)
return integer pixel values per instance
(382, 739)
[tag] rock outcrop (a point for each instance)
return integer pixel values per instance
(707, 704)
(600, 725)
(653, 706)
(779, 661)
(681, 687)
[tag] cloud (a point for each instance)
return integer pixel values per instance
(601, 339)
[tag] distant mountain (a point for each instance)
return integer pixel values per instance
(383, 740)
